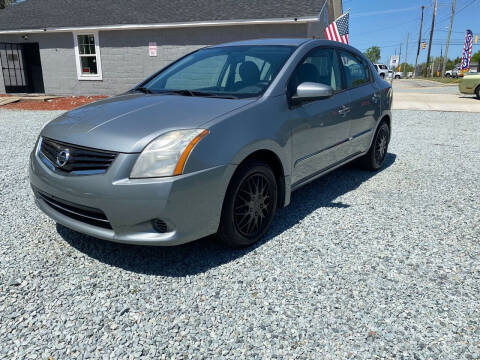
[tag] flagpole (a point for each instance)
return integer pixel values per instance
(332, 28)
(321, 10)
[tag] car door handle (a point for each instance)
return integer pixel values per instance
(344, 110)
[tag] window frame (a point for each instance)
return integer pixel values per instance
(362, 61)
(80, 76)
(340, 68)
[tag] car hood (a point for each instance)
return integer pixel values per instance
(127, 123)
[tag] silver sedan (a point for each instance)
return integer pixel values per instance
(212, 144)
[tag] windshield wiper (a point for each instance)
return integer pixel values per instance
(186, 92)
(221, 96)
(144, 90)
(183, 92)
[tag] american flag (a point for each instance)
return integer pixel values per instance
(338, 30)
(467, 50)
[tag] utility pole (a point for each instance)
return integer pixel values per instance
(445, 57)
(406, 54)
(419, 41)
(399, 57)
(431, 34)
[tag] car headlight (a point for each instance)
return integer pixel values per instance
(167, 154)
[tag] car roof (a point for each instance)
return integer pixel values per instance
(272, 41)
(297, 42)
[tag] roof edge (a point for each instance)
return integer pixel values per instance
(164, 25)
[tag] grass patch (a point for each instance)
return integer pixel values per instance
(442, 80)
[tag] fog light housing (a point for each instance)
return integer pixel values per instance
(160, 226)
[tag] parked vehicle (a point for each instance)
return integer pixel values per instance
(396, 75)
(454, 73)
(470, 84)
(382, 70)
(213, 143)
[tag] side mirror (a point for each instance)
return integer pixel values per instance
(309, 91)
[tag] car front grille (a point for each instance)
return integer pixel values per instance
(88, 215)
(79, 161)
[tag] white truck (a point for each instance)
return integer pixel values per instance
(454, 73)
(382, 70)
(396, 75)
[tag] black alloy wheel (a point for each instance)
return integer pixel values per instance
(381, 144)
(249, 206)
(375, 157)
(253, 204)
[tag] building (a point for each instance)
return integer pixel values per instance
(71, 47)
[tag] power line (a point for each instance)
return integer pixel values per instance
(463, 8)
(386, 28)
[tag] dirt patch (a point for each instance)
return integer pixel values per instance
(63, 103)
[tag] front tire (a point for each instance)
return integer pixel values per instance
(477, 92)
(249, 206)
(375, 158)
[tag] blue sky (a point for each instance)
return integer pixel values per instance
(386, 24)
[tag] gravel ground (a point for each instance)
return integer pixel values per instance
(359, 266)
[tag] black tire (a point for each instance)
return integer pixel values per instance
(397, 76)
(382, 75)
(249, 206)
(477, 92)
(448, 75)
(375, 158)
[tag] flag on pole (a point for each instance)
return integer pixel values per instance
(467, 50)
(338, 30)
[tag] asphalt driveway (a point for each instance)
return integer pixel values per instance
(360, 265)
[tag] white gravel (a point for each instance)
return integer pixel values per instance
(359, 266)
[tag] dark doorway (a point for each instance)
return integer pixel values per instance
(21, 68)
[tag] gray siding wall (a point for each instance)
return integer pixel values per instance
(124, 54)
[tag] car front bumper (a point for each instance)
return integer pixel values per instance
(190, 205)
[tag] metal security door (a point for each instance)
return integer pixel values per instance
(13, 68)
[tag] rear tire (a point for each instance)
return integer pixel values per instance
(448, 75)
(397, 76)
(477, 92)
(375, 158)
(249, 206)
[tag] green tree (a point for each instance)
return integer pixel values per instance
(406, 67)
(452, 63)
(476, 57)
(373, 53)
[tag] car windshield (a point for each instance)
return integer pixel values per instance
(227, 71)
